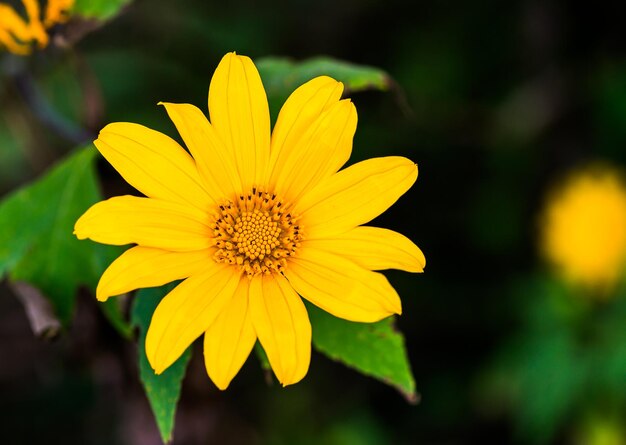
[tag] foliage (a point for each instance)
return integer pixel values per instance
(163, 391)
(281, 76)
(501, 351)
(570, 351)
(375, 349)
(98, 9)
(36, 242)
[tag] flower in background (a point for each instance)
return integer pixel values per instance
(57, 12)
(17, 34)
(253, 221)
(584, 228)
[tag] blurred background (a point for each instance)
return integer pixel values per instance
(496, 101)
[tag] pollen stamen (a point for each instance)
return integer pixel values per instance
(257, 232)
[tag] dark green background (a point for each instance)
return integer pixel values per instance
(495, 100)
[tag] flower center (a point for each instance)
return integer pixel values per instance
(256, 232)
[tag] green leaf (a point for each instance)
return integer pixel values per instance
(374, 349)
(163, 390)
(36, 242)
(281, 76)
(98, 9)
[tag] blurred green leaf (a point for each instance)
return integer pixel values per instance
(607, 353)
(98, 9)
(13, 165)
(569, 354)
(281, 76)
(36, 241)
(552, 378)
(163, 390)
(374, 349)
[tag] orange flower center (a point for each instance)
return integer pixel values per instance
(256, 232)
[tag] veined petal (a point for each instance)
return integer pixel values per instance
(153, 163)
(188, 311)
(319, 152)
(342, 287)
(215, 163)
(282, 325)
(355, 195)
(373, 248)
(229, 339)
(240, 115)
(147, 222)
(301, 109)
(148, 267)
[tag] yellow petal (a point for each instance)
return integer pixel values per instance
(215, 163)
(153, 163)
(282, 325)
(11, 43)
(56, 12)
(13, 23)
(301, 109)
(373, 248)
(188, 311)
(15, 34)
(35, 26)
(320, 151)
(341, 287)
(147, 267)
(229, 339)
(355, 195)
(240, 115)
(147, 222)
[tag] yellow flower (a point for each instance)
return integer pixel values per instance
(253, 221)
(584, 228)
(57, 12)
(16, 34)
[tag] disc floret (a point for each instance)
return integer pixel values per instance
(257, 232)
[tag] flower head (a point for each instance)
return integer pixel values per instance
(253, 221)
(584, 228)
(17, 34)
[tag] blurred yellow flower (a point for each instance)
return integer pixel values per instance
(252, 220)
(584, 228)
(17, 34)
(57, 12)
